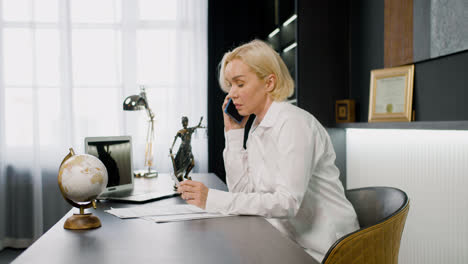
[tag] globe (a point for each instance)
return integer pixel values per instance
(81, 179)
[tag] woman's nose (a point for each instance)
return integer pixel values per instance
(233, 92)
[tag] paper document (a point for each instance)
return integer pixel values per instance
(142, 211)
(183, 217)
(161, 214)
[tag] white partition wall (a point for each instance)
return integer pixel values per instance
(432, 168)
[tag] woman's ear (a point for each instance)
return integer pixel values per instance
(270, 82)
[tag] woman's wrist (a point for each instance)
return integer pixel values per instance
(234, 138)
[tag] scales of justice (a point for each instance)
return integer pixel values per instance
(183, 162)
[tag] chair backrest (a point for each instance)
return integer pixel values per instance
(375, 204)
(381, 213)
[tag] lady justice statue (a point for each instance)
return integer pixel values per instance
(184, 161)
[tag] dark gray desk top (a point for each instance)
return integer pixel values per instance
(238, 239)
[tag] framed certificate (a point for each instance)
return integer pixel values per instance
(391, 94)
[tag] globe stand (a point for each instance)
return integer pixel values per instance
(82, 221)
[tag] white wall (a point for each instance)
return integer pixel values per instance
(432, 168)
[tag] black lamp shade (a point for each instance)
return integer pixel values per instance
(134, 102)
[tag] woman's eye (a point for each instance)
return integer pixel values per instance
(240, 85)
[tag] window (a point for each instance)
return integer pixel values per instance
(66, 65)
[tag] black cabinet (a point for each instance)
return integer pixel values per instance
(322, 57)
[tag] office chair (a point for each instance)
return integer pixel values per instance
(382, 214)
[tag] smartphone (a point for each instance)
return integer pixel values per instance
(232, 111)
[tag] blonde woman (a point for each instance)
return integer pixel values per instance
(287, 173)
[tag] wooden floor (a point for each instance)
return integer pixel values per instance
(7, 255)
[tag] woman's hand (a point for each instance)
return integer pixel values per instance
(228, 122)
(194, 193)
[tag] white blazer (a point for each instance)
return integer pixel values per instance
(288, 175)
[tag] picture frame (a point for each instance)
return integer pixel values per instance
(391, 94)
(345, 111)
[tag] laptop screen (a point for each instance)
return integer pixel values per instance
(116, 154)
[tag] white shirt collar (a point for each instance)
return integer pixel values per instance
(270, 116)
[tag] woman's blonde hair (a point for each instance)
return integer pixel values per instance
(263, 61)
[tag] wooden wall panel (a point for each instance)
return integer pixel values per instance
(398, 32)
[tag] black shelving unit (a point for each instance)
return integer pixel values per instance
(282, 37)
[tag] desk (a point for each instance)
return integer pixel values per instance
(237, 239)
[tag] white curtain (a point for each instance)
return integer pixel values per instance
(66, 67)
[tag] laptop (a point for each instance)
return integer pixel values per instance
(116, 154)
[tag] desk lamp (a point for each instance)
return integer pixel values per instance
(139, 102)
